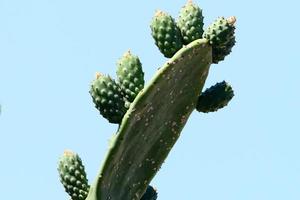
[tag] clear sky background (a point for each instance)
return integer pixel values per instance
(51, 49)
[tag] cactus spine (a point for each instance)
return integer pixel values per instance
(150, 126)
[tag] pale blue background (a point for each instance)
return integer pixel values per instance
(51, 49)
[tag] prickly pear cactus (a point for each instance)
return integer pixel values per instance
(150, 194)
(150, 125)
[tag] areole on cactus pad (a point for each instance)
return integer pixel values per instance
(149, 126)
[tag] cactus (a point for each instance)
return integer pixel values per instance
(166, 34)
(150, 126)
(142, 129)
(108, 98)
(215, 97)
(73, 176)
(130, 75)
(220, 35)
(150, 194)
(190, 22)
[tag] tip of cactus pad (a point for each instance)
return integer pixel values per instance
(190, 2)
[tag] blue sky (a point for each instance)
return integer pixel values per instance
(50, 51)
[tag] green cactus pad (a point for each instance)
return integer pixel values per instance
(130, 75)
(73, 176)
(108, 98)
(151, 126)
(221, 36)
(215, 97)
(150, 194)
(166, 34)
(190, 22)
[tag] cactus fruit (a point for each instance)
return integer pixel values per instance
(151, 125)
(150, 194)
(220, 35)
(166, 34)
(108, 98)
(190, 22)
(73, 176)
(130, 75)
(215, 97)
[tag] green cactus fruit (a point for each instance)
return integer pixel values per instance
(130, 75)
(220, 35)
(108, 98)
(215, 97)
(190, 22)
(150, 194)
(73, 176)
(166, 34)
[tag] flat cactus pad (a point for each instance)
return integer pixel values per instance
(152, 125)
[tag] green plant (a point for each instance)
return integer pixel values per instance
(149, 126)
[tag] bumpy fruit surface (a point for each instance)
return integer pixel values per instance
(73, 176)
(108, 98)
(215, 97)
(190, 22)
(220, 35)
(150, 194)
(130, 75)
(166, 34)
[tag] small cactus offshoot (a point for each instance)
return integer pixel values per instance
(166, 34)
(151, 116)
(108, 98)
(215, 97)
(190, 22)
(73, 176)
(220, 35)
(130, 75)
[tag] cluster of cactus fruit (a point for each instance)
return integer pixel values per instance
(148, 127)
